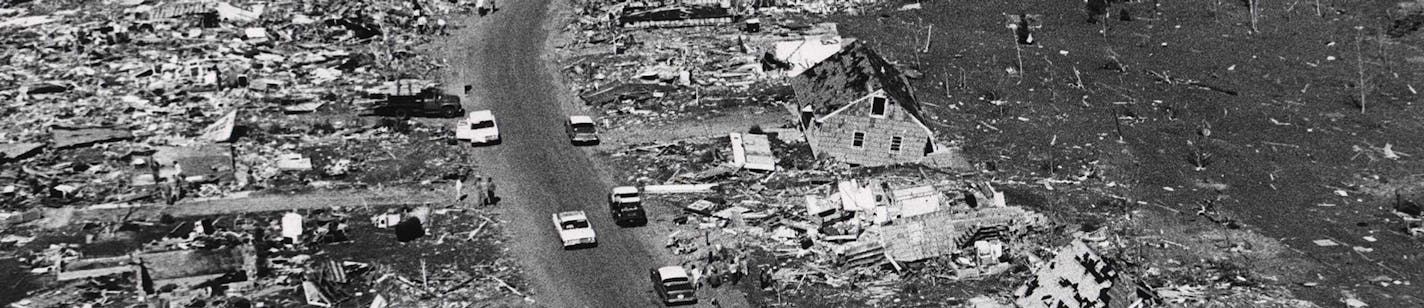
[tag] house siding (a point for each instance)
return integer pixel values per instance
(834, 135)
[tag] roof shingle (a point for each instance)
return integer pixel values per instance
(850, 74)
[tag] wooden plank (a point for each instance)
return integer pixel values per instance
(739, 151)
(678, 188)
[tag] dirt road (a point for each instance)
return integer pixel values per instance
(538, 172)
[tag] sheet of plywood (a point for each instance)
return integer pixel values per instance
(758, 153)
(917, 200)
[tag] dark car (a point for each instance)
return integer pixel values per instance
(581, 130)
(673, 285)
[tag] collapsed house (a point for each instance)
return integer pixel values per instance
(1079, 278)
(619, 91)
(857, 108)
(878, 224)
(685, 14)
(188, 269)
(173, 271)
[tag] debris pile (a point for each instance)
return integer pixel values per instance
(816, 231)
(654, 63)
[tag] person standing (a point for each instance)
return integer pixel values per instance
(765, 277)
(736, 270)
(441, 26)
(489, 191)
(481, 189)
(459, 189)
(714, 274)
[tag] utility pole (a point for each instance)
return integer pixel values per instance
(1360, 67)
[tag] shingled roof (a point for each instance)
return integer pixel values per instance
(848, 75)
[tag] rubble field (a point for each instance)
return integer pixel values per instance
(345, 255)
(139, 102)
(236, 154)
(930, 154)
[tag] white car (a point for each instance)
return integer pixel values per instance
(574, 229)
(479, 128)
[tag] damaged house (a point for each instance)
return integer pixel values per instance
(857, 108)
(876, 222)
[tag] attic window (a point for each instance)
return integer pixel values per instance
(895, 144)
(857, 139)
(877, 106)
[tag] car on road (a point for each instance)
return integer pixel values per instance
(581, 130)
(574, 229)
(479, 127)
(626, 204)
(673, 285)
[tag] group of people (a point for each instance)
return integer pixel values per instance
(719, 267)
(483, 190)
(422, 24)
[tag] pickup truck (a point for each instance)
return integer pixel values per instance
(626, 206)
(411, 97)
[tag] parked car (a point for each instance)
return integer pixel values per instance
(479, 128)
(581, 130)
(627, 206)
(574, 229)
(673, 285)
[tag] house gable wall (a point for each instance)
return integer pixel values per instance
(833, 135)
